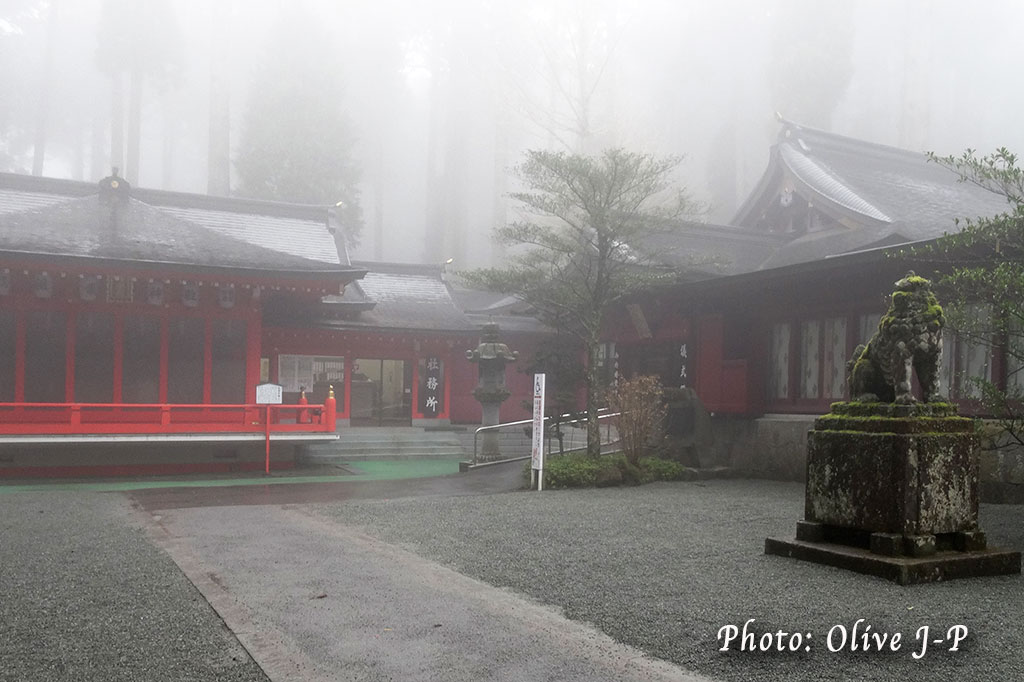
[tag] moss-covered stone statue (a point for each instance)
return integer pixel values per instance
(909, 338)
(892, 483)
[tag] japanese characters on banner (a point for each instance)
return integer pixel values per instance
(431, 396)
(537, 448)
(684, 366)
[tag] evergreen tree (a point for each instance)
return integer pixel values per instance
(588, 239)
(982, 268)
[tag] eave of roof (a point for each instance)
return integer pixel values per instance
(825, 184)
(346, 274)
(758, 279)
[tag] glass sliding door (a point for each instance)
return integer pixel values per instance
(381, 393)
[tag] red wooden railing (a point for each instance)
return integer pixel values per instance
(158, 418)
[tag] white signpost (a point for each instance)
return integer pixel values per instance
(537, 451)
(268, 394)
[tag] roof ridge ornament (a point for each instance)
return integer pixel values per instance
(114, 187)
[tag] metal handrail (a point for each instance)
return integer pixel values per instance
(602, 413)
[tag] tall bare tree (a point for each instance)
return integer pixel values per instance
(140, 40)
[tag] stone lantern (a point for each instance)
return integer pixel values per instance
(492, 356)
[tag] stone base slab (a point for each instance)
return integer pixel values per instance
(900, 569)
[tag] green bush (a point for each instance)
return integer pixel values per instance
(582, 471)
(657, 469)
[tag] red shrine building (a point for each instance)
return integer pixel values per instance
(131, 315)
(808, 264)
(141, 316)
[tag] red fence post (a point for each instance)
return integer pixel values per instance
(303, 416)
(330, 410)
(268, 438)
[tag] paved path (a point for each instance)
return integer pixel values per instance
(492, 479)
(312, 599)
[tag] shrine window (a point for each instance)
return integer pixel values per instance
(317, 374)
(822, 348)
(1015, 361)
(140, 382)
(186, 344)
(810, 367)
(94, 357)
(228, 350)
(967, 358)
(779, 378)
(45, 356)
(833, 368)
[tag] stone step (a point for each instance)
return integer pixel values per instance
(382, 451)
(340, 458)
(366, 443)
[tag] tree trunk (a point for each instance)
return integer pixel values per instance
(218, 152)
(134, 126)
(43, 106)
(593, 393)
(117, 121)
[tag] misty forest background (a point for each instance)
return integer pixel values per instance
(411, 113)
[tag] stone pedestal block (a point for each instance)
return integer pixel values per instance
(913, 475)
(894, 484)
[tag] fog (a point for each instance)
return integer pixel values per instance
(427, 105)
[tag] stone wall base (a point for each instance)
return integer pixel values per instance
(775, 447)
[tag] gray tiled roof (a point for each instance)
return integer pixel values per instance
(696, 248)
(305, 239)
(67, 218)
(885, 195)
(404, 297)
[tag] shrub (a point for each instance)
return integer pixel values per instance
(582, 471)
(577, 471)
(657, 469)
(642, 415)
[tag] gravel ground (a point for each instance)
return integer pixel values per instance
(662, 567)
(87, 597)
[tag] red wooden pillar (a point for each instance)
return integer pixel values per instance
(253, 353)
(164, 354)
(118, 356)
(207, 358)
(710, 339)
(446, 413)
(19, 356)
(69, 351)
(415, 407)
(346, 410)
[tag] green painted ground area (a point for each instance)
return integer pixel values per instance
(371, 470)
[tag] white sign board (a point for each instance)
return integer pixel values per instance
(268, 394)
(537, 451)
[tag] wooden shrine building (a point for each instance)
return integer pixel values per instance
(142, 316)
(810, 259)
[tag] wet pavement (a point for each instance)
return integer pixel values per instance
(313, 599)
(124, 584)
(488, 480)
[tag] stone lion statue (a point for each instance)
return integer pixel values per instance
(909, 338)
